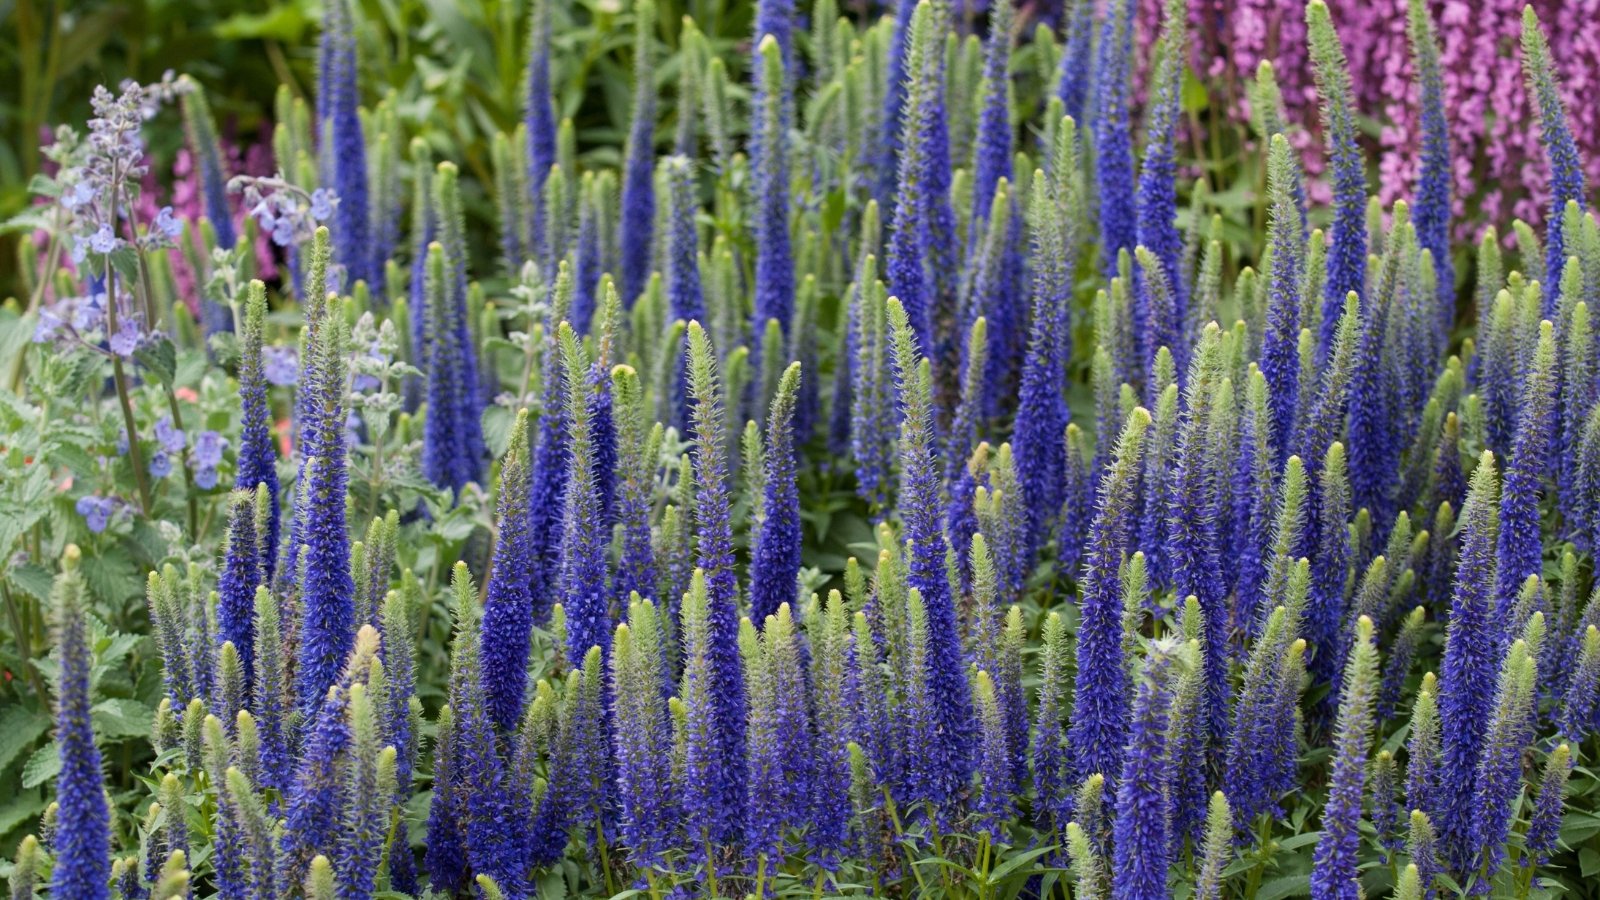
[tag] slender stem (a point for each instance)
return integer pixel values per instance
(761, 877)
(605, 855)
(900, 834)
(711, 867)
(120, 378)
(938, 841)
(1263, 838)
(983, 867)
(24, 652)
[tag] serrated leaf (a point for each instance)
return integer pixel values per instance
(120, 718)
(112, 577)
(126, 261)
(31, 580)
(160, 359)
(43, 765)
(19, 809)
(114, 647)
(497, 424)
(19, 728)
(25, 223)
(16, 331)
(1288, 886)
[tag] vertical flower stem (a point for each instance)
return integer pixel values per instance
(605, 855)
(983, 867)
(938, 842)
(711, 866)
(1263, 838)
(120, 377)
(24, 639)
(900, 839)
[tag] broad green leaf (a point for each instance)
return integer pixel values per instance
(1299, 840)
(19, 809)
(1288, 886)
(19, 728)
(43, 765)
(120, 718)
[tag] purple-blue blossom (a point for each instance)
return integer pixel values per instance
(96, 511)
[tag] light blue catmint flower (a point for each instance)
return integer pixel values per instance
(104, 240)
(78, 195)
(96, 511)
(48, 328)
(208, 448)
(168, 224)
(127, 339)
(322, 203)
(171, 438)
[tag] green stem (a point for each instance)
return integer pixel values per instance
(605, 855)
(24, 652)
(900, 835)
(120, 378)
(983, 867)
(711, 867)
(1263, 838)
(135, 455)
(938, 842)
(761, 877)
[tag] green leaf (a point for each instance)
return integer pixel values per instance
(160, 358)
(552, 886)
(120, 718)
(285, 22)
(16, 331)
(43, 765)
(1288, 886)
(44, 186)
(19, 809)
(126, 261)
(1588, 862)
(31, 580)
(19, 728)
(1017, 861)
(1299, 840)
(1193, 93)
(112, 577)
(833, 209)
(497, 423)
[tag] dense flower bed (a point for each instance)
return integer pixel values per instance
(898, 488)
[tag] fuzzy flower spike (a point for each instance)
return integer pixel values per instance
(82, 842)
